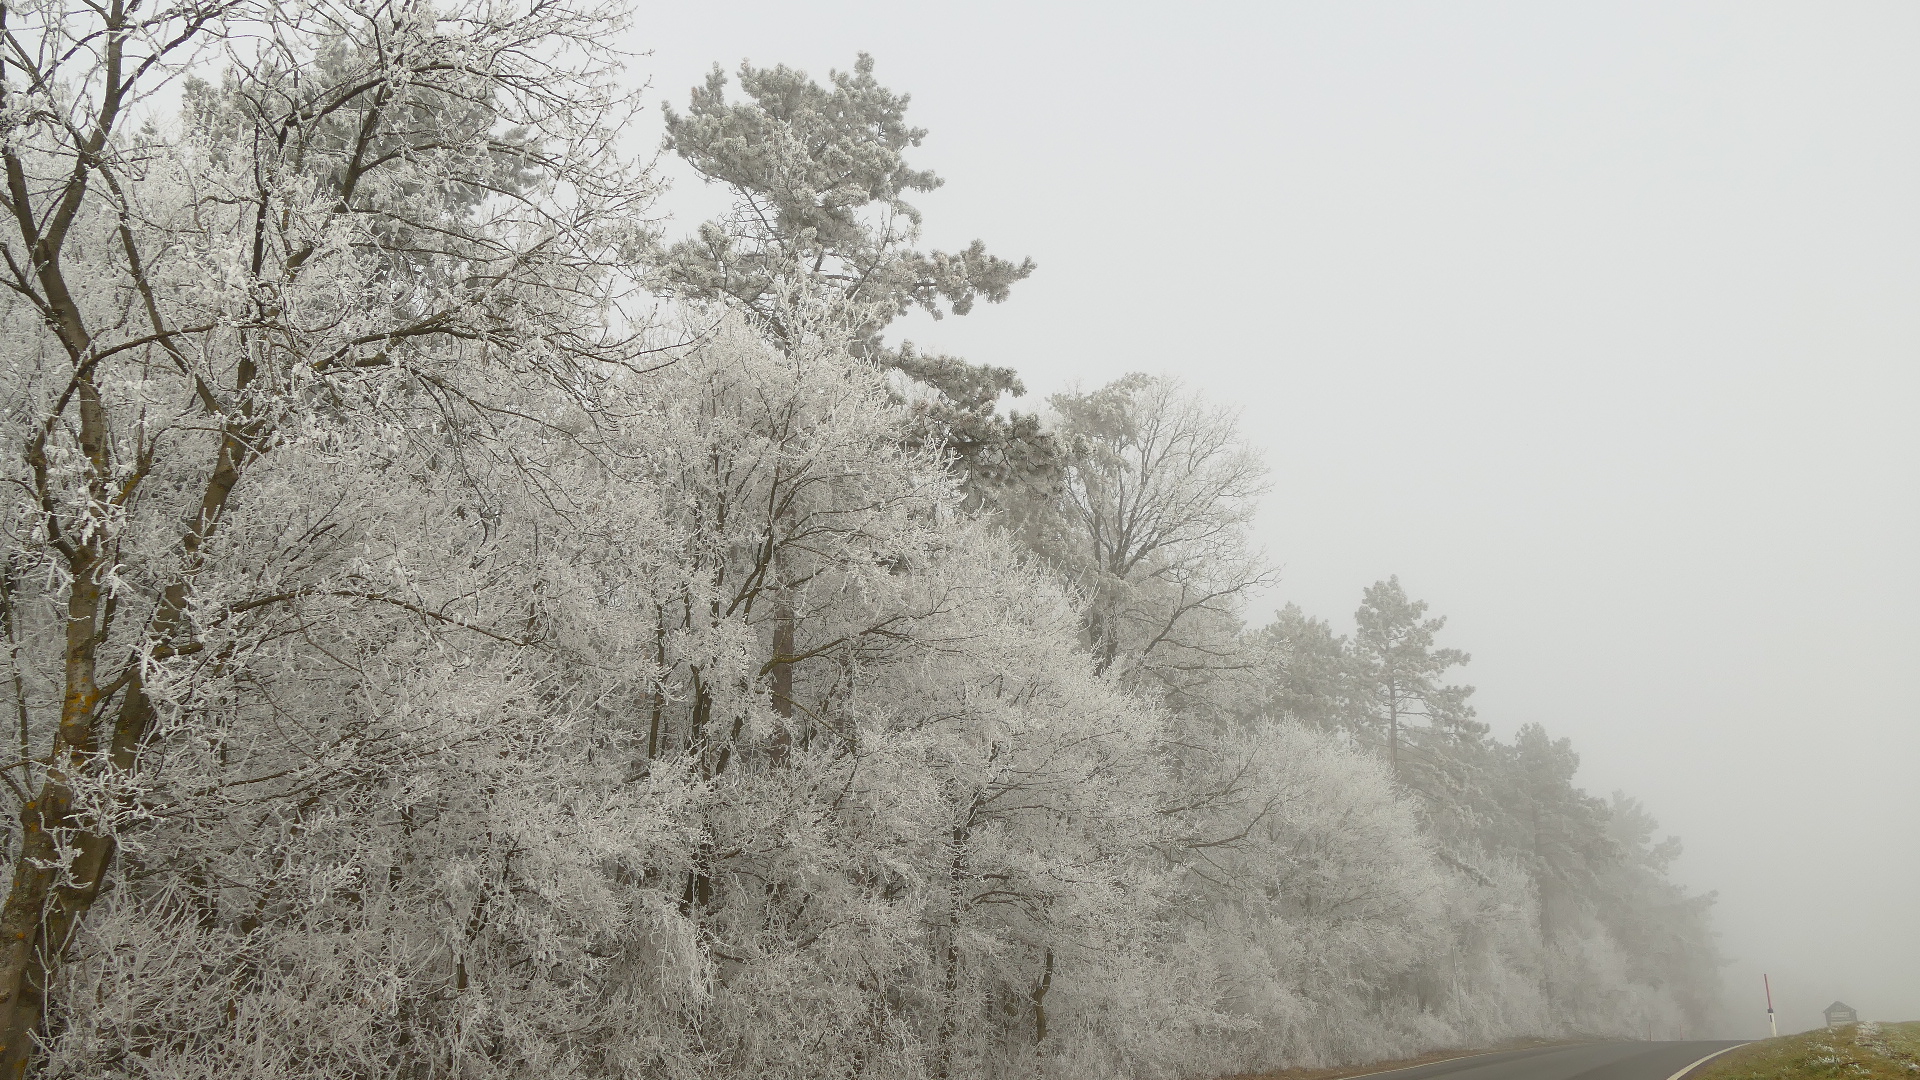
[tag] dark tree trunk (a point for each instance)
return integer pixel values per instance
(1040, 989)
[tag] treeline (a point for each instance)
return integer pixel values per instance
(456, 628)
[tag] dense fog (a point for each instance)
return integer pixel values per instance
(471, 613)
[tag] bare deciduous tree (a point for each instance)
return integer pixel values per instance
(1152, 525)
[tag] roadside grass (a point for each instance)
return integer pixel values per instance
(1865, 1051)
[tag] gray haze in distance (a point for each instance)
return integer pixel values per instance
(1597, 324)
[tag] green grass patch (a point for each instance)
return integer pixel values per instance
(1865, 1051)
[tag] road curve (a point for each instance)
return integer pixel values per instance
(1585, 1061)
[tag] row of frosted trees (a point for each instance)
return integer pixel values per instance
(453, 632)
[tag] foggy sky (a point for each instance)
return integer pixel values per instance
(1596, 324)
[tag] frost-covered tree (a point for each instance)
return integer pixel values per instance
(820, 186)
(1560, 830)
(1152, 526)
(923, 808)
(1399, 700)
(1306, 670)
(544, 805)
(1550, 895)
(1665, 932)
(187, 308)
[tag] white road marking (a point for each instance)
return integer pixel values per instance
(1703, 1061)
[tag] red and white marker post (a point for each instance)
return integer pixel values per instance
(1772, 1028)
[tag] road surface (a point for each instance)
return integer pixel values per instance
(1586, 1061)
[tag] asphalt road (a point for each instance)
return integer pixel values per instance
(1586, 1061)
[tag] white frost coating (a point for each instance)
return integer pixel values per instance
(448, 675)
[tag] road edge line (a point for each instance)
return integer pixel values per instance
(1704, 1060)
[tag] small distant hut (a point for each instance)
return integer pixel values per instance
(1841, 1013)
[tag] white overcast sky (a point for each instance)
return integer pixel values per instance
(1596, 323)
